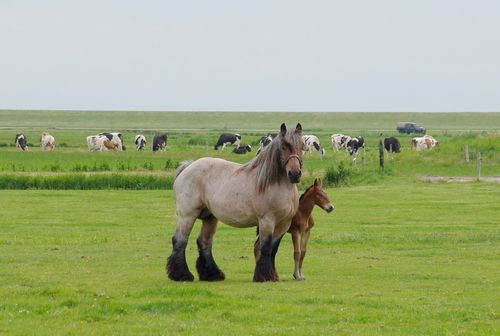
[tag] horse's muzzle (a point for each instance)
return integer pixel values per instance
(329, 208)
(294, 177)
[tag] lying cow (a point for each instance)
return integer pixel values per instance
(392, 144)
(159, 141)
(47, 142)
(116, 139)
(339, 141)
(242, 149)
(266, 140)
(426, 142)
(228, 139)
(311, 143)
(21, 142)
(140, 141)
(354, 145)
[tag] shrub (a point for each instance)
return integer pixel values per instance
(337, 176)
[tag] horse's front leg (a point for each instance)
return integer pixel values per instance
(264, 268)
(269, 237)
(205, 264)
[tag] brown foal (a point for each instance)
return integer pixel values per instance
(303, 221)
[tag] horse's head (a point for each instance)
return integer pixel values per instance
(291, 152)
(321, 198)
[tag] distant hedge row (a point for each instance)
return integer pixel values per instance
(86, 182)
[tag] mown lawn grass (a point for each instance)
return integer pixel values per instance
(404, 258)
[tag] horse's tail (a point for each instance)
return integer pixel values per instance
(183, 165)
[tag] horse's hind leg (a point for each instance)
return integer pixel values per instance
(177, 268)
(205, 265)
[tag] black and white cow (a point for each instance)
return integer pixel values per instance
(354, 145)
(159, 141)
(392, 144)
(339, 141)
(242, 149)
(311, 143)
(115, 138)
(266, 140)
(21, 142)
(228, 139)
(140, 141)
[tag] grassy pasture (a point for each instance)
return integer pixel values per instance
(397, 256)
(427, 263)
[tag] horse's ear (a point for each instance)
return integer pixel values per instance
(283, 129)
(298, 129)
(317, 182)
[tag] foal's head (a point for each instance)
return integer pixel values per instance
(319, 196)
(291, 146)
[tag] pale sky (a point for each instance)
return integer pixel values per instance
(230, 55)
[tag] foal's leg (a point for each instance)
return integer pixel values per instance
(205, 265)
(303, 243)
(276, 245)
(296, 254)
(256, 249)
(177, 268)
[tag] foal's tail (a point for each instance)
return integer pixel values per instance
(183, 165)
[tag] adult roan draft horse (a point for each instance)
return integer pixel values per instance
(262, 192)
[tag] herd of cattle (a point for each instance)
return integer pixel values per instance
(338, 141)
(113, 141)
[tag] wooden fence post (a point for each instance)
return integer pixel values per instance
(363, 158)
(478, 167)
(381, 154)
(467, 153)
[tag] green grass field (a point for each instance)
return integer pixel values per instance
(92, 262)
(398, 256)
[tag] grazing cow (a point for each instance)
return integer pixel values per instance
(115, 138)
(266, 140)
(100, 143)
(140, 141)
(228, 139)
(311, 143)
(159, 141)
(93, 142)
(47, 142)
(426, 142)
(21, 142)
(392, 144)
(354, 145)
(242, 149)
(339, 141)
(105, 144)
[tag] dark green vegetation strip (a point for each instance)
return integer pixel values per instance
(85, 182)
